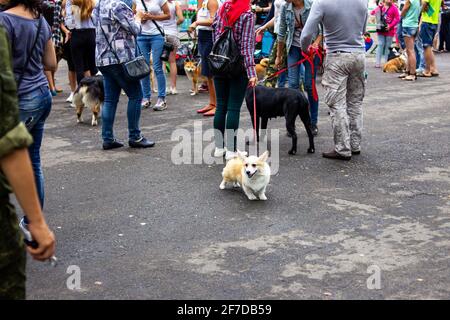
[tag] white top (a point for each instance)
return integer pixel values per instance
(204, 14)
(153, 7)
(170, 25)
(276, 14)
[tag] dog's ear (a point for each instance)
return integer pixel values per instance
(264, 156)
(241, 154)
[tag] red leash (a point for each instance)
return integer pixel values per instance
(254, 115)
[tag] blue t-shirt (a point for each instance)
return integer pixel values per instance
(22, 32)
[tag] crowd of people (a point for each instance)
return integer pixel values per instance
(102, 35)
(419, 28)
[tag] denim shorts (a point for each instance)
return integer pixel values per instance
(409, 31)
(427, 33)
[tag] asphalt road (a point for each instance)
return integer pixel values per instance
(140, 227)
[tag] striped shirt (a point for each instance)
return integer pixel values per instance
(244, 35)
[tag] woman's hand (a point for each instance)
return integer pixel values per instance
(192, 27)
(68, 35)
(252, 82)
(261, 29)
(45, 239)
(279, 62)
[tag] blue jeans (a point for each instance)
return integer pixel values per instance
(420, 58)
(153, 45)
(114, 80)
(384, 44)
(34, 109)
(401, 39)
(294, 77)
(427, 33)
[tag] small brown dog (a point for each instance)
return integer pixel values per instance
(90, 94)
(395, 65)
(261, 68)
(193, 71)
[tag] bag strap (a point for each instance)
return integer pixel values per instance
(30, 53)
(157, 26)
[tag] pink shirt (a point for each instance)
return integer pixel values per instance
(392, 18)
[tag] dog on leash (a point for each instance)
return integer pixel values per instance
(251, 173)
(261, 68)
(395, 65)
(193, 71)
(280, 102)
(90, 93)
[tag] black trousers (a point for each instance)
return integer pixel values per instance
(444, 33)
(82, 48)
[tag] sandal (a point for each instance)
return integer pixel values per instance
(206, 108)
(435, 74)
(427, 75)
(210, 113)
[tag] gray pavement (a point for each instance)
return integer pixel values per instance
(140, 227)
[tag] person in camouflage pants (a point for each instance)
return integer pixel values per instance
(271, 69)
(16, 174)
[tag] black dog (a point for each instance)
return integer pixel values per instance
(280, 102)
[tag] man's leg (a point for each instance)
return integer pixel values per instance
(293, 73)
(355, 94)
(335, 83)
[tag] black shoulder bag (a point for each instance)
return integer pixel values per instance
(36, 38)
(168, 47)
(134, 69)
(382, 27)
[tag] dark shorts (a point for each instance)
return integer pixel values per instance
(67, 55)
(427, 33)
(205, 44)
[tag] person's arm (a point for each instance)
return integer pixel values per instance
(406, 8)
(425, 5)
(49, 58)
(124, 15)
(266, 26)
(311, 27)
(213, 6)
(395, 18)
(248, 47)
(18, 171)
(179, 13)
(157, 17)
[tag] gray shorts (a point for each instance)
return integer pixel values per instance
(173, 40)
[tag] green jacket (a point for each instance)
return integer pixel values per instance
(13, 134)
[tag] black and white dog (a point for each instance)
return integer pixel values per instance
(90, 94)
(280, 102)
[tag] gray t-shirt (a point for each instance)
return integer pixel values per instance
(22, 32)
(344, 23)
(298, 26)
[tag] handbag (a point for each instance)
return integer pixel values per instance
(167, 47)
(30, 53)
(383, 25)
(135, 69)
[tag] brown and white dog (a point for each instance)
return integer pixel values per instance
(193, 71)
(90, 94)
(396, 65)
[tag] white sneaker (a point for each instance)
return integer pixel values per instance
(173, 91)
(70, 98)
(219, 152)
(160, 105)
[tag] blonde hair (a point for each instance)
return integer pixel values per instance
(86, 8)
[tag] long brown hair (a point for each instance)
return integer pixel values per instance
(86, 8)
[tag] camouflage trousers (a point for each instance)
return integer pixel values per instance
(12, 255)
(344, 84)
(271, 69)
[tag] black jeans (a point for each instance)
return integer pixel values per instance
(82, 48)
(444, 34)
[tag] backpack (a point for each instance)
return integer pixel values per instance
(225, 59)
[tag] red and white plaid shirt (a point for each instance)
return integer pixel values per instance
(244, 35)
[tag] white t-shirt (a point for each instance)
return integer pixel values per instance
(170, 25)
(153, 7)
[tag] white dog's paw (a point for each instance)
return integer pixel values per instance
(262, 197)
(94, 121)
(222, 185)
(251, 196)
(79, 120)
(236, 184)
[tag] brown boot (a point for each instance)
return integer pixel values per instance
(334, 155)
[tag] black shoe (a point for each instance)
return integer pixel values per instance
(141, 143)
(356, 152)
(112, 145)
(315, 130)
(334, 155)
